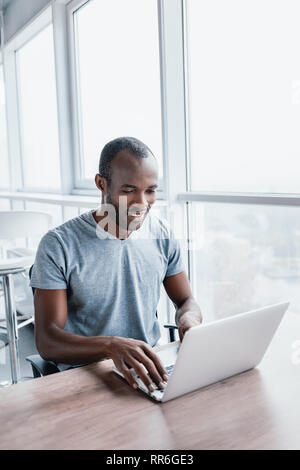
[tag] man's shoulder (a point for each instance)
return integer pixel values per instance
(159, 226)
(71, 229)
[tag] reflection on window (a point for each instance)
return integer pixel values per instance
(245, 256)
(244, 80)
(4, 172)
(38, 108)
(4, 204)
(118, 76)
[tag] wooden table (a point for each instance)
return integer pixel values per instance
(92, 408)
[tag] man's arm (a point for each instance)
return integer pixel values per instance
(52, 341)
(56, 344)
(188, 312)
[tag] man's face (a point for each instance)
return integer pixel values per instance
(132, 190)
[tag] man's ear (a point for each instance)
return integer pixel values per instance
(100, 183)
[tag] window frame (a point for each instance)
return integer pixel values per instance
(235, 197)
(19, 98)
(287, 199)
(83, 185)
(172, 17)
(168, 11)
(5, 188)
(29, 32)
(175, 188)
(188, 196)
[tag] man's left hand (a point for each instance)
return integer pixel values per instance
(187, 321)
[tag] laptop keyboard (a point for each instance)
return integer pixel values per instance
(169, 370)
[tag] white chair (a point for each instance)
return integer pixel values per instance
(15, 225)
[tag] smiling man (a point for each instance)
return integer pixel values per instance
(98, 276)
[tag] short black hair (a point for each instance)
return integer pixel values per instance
(112, 148)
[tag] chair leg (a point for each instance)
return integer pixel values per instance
(172, 329)
(12, 328)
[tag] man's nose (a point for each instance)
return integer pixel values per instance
(141, 201)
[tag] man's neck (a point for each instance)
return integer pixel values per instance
(110, 226)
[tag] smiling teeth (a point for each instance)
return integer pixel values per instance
(136, 213)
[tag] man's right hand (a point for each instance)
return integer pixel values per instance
(56, 344)
(130, 353)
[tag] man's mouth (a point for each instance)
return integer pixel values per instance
(137, 214)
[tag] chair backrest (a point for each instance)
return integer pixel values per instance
(29, 273)
(23, 224)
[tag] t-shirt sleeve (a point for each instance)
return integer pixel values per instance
(175, 262)
(49, 266)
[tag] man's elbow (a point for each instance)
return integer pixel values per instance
(45, 347)
(44, 352)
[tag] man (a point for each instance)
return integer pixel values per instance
(98, 276)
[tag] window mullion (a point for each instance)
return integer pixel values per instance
(174, 99)
(174, 118)
(64, 107)
(13, 116)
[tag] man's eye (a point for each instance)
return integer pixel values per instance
(148, 191)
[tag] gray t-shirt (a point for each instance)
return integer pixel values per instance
(113, 286)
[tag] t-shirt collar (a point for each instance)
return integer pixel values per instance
(103, 234)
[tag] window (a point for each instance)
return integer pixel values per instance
(245, 257)
(4, 173)
(244, 90)
(4, 204)
(118, 77)
(38, 112)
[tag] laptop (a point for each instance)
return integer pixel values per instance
(215, 351)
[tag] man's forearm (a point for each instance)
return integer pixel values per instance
(62, 346)
(59, 345)
(189, 309)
